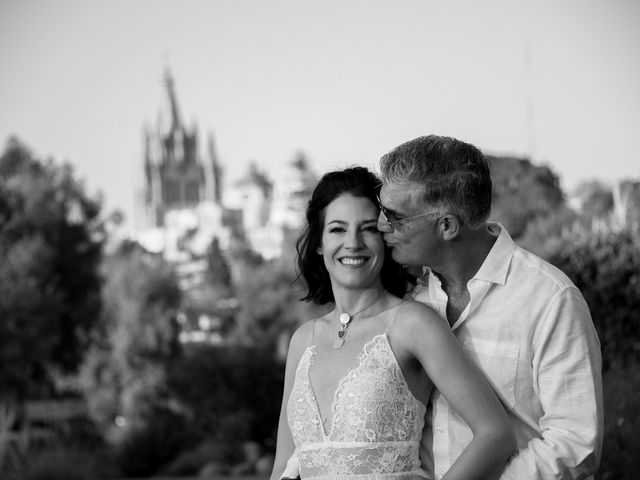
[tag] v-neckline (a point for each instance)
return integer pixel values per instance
(364, 353)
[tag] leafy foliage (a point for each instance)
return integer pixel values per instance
(125, 370)
(191, 461)
(542, 230)
(55, 463)
(146, 449)
(620, 458)
(596, 199)
(232, 393)
(218, 271)
(522, 192)
(50, 250)
(268, 304)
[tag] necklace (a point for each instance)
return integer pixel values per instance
(345, 320)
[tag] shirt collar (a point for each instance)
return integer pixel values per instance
(495, 267)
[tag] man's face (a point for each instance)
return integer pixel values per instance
(409, 230)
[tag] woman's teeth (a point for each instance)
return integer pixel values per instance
(352, 261)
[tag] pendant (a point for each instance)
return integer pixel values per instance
(345, 318)
(338, 343)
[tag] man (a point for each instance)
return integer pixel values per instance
(518, 317)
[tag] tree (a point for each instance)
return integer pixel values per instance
(50, 249)
(267, 304)
(595, 198)
(522, 192)
(125, 371)
(233, 392)
(218, 271)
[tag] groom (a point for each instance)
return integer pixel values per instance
(518, 317)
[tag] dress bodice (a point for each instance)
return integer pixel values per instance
(376, 422)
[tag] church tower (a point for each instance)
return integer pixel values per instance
(176, 175)
(179, 208)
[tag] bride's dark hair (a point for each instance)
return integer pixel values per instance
(359, 182)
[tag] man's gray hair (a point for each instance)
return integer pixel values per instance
(454, 175)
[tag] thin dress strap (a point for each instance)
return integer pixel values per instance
(386, 330)
(313, 331)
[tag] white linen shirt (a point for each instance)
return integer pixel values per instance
(529, 330)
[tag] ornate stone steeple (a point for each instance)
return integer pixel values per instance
(176, 121)
(177, 177)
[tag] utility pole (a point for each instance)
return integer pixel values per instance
(529, 112)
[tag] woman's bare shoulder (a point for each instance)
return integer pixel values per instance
(415, 313)
(420, 332)
(303, 335)
(419, 321)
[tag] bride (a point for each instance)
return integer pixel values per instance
(357, 379)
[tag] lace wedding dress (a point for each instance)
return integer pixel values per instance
(376, 424)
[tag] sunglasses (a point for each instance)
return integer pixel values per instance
(391, 219)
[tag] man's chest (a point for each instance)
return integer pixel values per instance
(456, 304)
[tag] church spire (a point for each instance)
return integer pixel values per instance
(176, 122)
(213, 173)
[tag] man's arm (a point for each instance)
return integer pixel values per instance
(567, 377)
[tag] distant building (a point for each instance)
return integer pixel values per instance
(292, 190)
(183, 209)
(273, 211)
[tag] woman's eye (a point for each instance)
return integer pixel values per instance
(371, 228)
(336, 230)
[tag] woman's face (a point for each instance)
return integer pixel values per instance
(351, 245)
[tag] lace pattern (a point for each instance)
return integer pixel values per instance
(376, 421)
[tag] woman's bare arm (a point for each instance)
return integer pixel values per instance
(285, 446)
(428, 338)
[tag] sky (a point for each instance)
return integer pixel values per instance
(343, 81)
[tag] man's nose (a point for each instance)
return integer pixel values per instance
(383, 225)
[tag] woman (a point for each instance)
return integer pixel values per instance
(357, 379)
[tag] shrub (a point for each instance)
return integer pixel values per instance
(57, 463)
(620, 459)
(221, 452)
(233, 393)
(147, 448)
(82, 432)
(190, 462)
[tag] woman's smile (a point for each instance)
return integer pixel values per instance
(353, 261)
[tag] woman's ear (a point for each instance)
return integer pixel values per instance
(449, 226)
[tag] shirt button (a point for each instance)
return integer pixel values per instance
(440, 430)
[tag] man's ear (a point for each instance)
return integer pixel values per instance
(449, 226)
